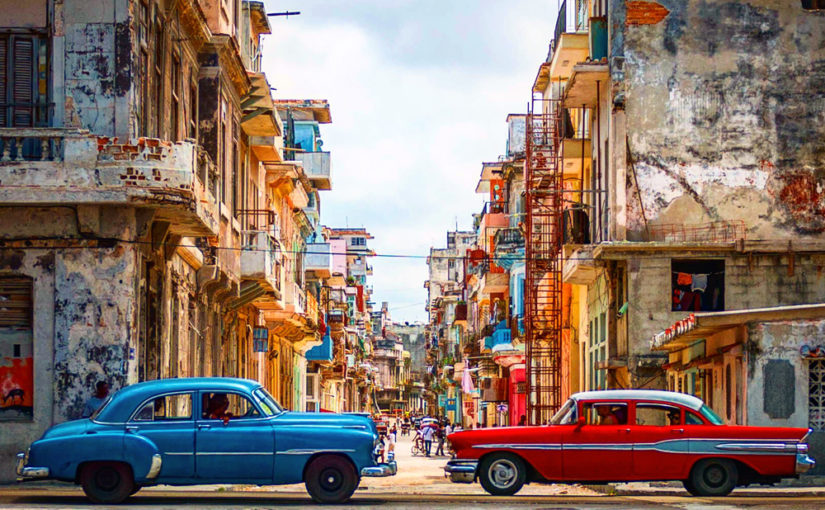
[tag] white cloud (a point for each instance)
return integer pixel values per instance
(419, 91)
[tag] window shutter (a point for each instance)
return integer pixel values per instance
(15, 303)
(23, 91)
(4, 50)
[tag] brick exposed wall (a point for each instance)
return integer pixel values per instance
(645, 13)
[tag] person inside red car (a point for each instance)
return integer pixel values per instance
(606, 416)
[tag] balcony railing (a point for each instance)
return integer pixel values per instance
(261, 258)
(318, 259)
(316, 167)
(71, 166)
(509, 238)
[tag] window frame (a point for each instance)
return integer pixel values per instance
(248, 397)
(665, 405)
(151, 400)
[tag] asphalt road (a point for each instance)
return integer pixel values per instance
(57, 497)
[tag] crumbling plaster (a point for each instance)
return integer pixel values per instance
(725, 106)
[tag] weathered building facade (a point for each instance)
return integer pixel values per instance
(151, 223)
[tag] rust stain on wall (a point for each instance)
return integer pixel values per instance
(645, 13)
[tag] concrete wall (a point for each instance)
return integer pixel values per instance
(764, 282)
(84, 316)
(724, 103)
(772, 345)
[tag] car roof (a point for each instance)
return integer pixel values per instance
(127, 398)
(670, 397)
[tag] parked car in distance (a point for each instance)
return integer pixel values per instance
(630, 435)
(204, 431)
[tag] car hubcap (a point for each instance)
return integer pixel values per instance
(715, 476)
(331, 480)
(503, 473)
(107, 479)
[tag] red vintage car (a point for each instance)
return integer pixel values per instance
(630, 435)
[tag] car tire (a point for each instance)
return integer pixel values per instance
(107, 482)
(502, 474)
(690, 488)
(331, 479)
(713, 477)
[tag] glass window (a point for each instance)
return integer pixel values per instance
(658, 415)
(167, 408)
(566, 415)
(607, 413)
(221, 406)
(693, 419)
(267, 402)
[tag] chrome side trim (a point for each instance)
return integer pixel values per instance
(154, 468)
(322, 426)
(757, 447)
(234, 453)
(312, 451)
(172, 454)
(525, 446)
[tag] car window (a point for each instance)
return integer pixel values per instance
(692, 418)
(566, 415)
(267, 402)
(658, 415)
(166, 408)
(605, 413)
(712, 417)
(233, 406)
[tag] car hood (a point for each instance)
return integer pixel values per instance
(69, 428)
(324, 419)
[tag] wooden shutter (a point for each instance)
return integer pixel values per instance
(23, 83)
(16, 303)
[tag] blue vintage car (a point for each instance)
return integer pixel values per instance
(205, 430)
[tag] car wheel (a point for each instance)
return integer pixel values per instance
(107, 482)
(690, 488)
(135, 490)
(331, 479)
(713, 477)
(502, 474)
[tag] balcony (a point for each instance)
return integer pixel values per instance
(45, 166)
(494, 283)
(295, 298)
(261, 261)
(318, 260)
(321, 353)
(587, 84)
(317, 168)
(580, 268)
(571, 44)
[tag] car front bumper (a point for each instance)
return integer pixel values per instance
(382, 469)
(25, 473)
(804, 463)
(461, 471)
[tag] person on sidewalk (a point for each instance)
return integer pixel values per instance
(427, 433)
(439, 435)
(101, 392)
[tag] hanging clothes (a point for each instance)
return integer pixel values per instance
(700, 283)
(684, 279)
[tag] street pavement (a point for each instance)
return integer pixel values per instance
(419, 484)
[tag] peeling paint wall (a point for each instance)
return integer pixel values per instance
(725, 113)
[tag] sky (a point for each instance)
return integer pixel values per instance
(419, 92)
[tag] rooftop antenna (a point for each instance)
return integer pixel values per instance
(285, 14)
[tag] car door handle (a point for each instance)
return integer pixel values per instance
(132, 428)
(677, 431)
(626, 431)
(204, 426)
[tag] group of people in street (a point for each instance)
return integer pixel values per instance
(433, 430)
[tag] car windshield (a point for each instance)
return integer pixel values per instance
(566, 415)
(711, 416)
(268, 404)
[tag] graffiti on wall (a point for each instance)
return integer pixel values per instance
(16, 352)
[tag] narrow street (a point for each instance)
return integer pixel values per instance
(419, 484)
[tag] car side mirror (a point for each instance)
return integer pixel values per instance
(581, 422)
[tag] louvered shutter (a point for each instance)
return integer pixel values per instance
(16, 303)
(4, 76)
(23, 82)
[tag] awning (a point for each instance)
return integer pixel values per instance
(700, 325)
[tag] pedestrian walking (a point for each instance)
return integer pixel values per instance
(439, 435)
(94, 403)
(427, 433)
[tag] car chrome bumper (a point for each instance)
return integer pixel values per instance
(461, 471)
(804, 463)
(29, 473)
(385, 469)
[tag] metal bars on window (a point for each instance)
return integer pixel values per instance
(816, 394)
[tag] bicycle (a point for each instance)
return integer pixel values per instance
(418, 445)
